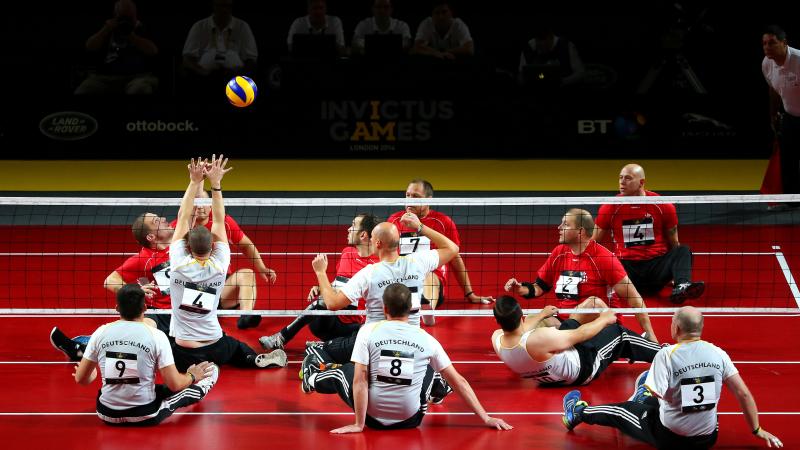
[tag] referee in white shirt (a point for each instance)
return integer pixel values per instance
(675, 403)
(389, 379)
(128, 353)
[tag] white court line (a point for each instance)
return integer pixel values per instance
(336, 413)
(454, 362)
(787, 273)
(338, 253)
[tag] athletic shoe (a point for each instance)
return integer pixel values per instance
(275, 358)
(310, 366)
(207, 383)
(640, 391)
(60, 341)
(82, 339)
(272, 342)
(685, 291)
(248, 321)
(314, 344)
(440, 389)
(573, 405)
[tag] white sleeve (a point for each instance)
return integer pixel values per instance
(361, 348)
(463, 32)
(294, 29)
(177, 251)
(338, 30)
(192, 45)
(222, 253)
(91, 353)
(356, 287)
(424, 30)
(658, 377)
(249, 48)
(439, 358)
(430, 260)
(164, 350)
(358, 34)
(728, 369)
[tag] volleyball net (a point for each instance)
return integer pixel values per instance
(57, 252)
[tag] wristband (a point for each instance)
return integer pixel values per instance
(758, 428)
(419, 230)
(216, 189)
(468, 294)
(531, 290)
(191, 375)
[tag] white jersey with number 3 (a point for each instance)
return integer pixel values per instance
(195, 288)
(128, 354)
(688, 377)
(398, 355)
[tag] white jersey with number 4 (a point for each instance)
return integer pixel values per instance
(370, 282)
(398, 355)
(688, 377)
(195, 288)
(128, 354)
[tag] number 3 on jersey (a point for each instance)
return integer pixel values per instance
(396, 367)
(698, 394)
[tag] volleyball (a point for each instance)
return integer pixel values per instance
(241, 91)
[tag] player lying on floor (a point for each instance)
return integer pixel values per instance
(573, 352)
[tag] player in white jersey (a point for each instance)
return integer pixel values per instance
(389, 379)
(128, 353)
(370, 282)
(199, 261)
(674, 404)
(573, 352)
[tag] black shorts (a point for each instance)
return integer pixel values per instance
(226, 350)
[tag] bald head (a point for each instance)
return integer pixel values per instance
(631, 180)
(689, 321)
(387, 234)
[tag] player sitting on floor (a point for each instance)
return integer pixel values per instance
(388, 381)
(128, 353)
(573, 352)
(199, 259)
(356, 256)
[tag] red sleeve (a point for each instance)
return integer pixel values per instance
(670, 216)
(612, 269)
(235, 233)
(603, 219)
(131, 269)
(452, 231)
(546, 272)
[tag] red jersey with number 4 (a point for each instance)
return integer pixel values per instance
(575, 278)
(232, 230)
(349, 264)
(153, 265)
(410, 242)
(639, 231)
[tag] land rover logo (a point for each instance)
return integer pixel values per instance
(68, 126)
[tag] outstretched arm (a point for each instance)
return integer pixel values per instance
(252, 253)
(461, 387)
(748, 404)
(625, 289)
(360, 400)
(460, 270)
(196, 168)
(214, 172)
(551, 340)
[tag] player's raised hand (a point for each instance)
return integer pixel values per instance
(196, 169)
(410, 220)
(216, 169)
(320, 263)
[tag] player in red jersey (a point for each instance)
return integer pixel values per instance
(646, 240)
(579, 268)
(410, 242)
(357, 255)
(240, 286)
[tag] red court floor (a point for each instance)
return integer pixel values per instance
(42, 406)
(48, 267)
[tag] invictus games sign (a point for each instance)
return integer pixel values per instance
(378, 125)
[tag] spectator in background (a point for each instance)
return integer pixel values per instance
(443, 36)
(548, 49)
(126, 53)
(318, 22)
(220, 45)
(381, 22)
